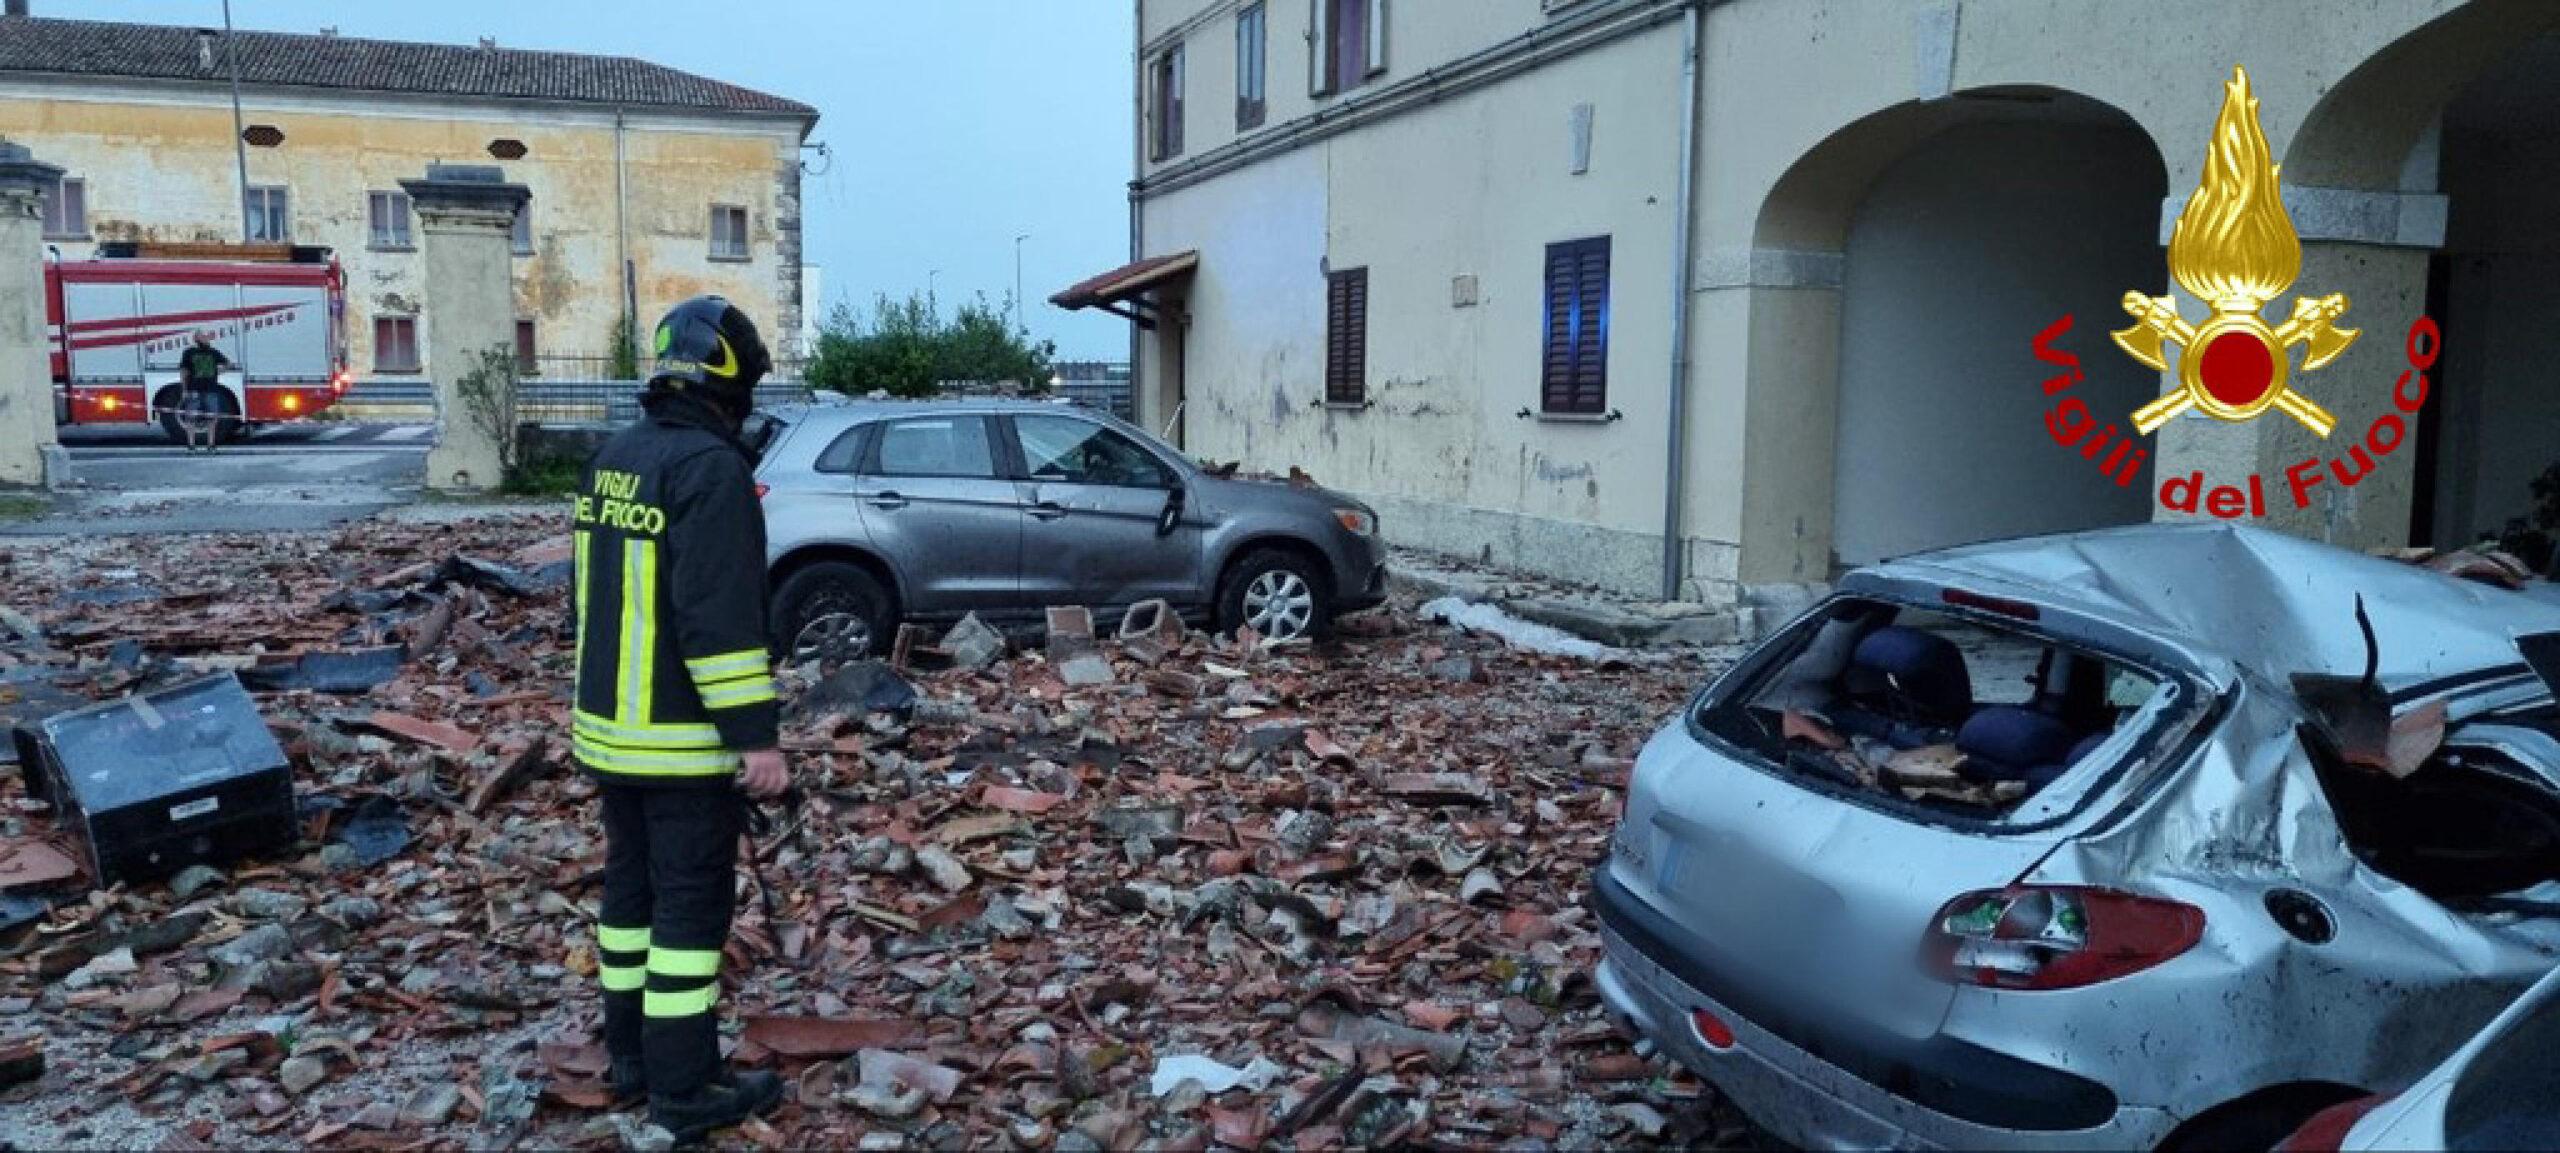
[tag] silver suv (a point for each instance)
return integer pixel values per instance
(882, 512)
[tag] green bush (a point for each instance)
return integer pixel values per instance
(907, 348)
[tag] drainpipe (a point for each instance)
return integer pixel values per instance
(1685, 198)
(622, 240)
(1137, 210)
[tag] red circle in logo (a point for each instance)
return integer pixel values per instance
(2238, 367)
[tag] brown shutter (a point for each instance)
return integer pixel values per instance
(1346, 323)
(1574, 370)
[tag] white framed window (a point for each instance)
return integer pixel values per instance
(387, 220)
(1165, 81)
(1350, 42)
(728, 232)
(395, 345)
(1252, 51)
(66, 209)
(270, 212)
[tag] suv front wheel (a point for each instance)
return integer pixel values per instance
(1278, 593)
(832, 613)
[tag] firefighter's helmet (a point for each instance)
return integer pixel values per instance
(707, 347)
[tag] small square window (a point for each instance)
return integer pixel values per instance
(728, 232)
(395, 345)
(270, 212)
(387, 215)
(66, 209)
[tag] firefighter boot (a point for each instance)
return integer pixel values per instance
(725, 1101)
(630, 1081)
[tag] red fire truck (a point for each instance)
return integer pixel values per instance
(119, 322)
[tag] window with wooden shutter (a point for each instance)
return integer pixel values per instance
(1346, 337)
(1574, 375)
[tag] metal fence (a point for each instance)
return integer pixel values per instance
(555, 398)
(539, 400)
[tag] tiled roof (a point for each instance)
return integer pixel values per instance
(346, 63)
(1127, 280)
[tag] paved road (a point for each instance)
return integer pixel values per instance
(286, 478)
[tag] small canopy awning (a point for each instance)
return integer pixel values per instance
(1122, 290)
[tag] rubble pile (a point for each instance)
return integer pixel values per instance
(1125, 886)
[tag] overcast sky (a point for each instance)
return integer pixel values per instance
(956, 124)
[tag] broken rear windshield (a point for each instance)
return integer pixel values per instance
(1934, 712)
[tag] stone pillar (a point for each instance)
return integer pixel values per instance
(2374, 248)
(467, 213)
(30, 455)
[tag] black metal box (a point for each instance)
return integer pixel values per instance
(156, 782)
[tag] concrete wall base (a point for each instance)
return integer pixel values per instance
(58, 471)
(1614, 559)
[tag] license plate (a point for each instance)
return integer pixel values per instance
(194, 808)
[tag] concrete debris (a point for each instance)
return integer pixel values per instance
(973, 643)
(1205, 891)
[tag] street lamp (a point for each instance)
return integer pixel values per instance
(1017, 280)
(930, 301)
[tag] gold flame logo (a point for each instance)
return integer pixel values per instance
(2235, 249)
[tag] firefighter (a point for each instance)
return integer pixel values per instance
(675, 714)
(200, 391)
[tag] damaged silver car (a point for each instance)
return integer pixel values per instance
(2161, 836)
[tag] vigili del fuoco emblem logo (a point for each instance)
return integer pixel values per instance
(2235, 249)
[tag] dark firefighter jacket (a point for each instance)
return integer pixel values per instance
(673, 678)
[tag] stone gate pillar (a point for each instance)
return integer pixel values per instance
(27, 441)
(467, 213)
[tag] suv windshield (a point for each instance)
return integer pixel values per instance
(1931, 711)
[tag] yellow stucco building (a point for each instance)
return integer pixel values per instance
(1704, 297)
(649, 184)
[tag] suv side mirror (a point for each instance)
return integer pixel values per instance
(1171, 517)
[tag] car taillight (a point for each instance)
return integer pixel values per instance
(2055, 936)
(338, 384)
(761, 489)
(2326, 1131)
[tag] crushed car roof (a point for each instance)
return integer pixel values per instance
(2270, 602)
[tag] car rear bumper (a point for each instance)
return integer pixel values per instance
(1651, 981)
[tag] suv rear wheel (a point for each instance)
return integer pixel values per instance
(831, 612)
(1278, 593)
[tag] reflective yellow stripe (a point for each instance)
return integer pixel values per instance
(690, 1003)
(699, 762)
(745, 693)
(668, 736)
(622, 940)
(583, 574)
(622, 978)
(639, 631)
(685, 962)
(726, 665)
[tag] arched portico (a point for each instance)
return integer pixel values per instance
(1911, 257)
(2411, 184)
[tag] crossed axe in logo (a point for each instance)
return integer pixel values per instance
(2233, 365)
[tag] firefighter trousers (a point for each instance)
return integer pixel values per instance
(670, 887)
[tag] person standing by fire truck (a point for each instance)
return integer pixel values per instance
(675, 713)
(200, 391)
